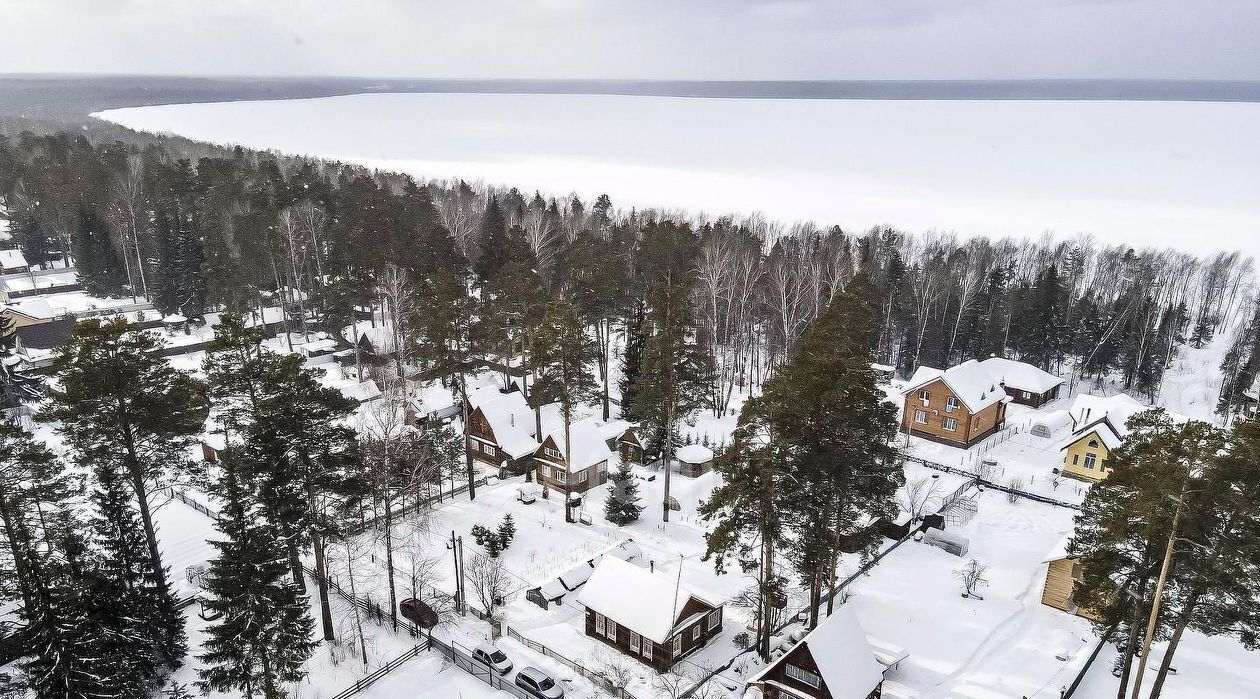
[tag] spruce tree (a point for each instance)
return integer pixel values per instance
(507, 530)
(261, 635)
(137, 607)
(631, 363)
(622, 506)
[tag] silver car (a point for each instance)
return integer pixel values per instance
(537, 683)
(497, 660)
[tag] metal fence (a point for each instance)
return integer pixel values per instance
(381, 671)
(367, 523)
(462, 658)
(179, 495)
(988, 483)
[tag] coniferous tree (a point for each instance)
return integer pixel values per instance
(676, 372)
(622, 506)
(120, 405)
(141, 629)
(262, 633)
(563, 357)
(631, 363)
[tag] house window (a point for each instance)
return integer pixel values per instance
(1076, 459)
(951, 404)
(558, 474)
(599, 624)
(611, 628)
(1090, 458)
(950, 424)
(920, 416)
(715, 618)
(581, 476)
(802, 675)
(487, 449)
(695, 633)
(1093, 444)
(645, 648)
(553, 453)
(925, 396)
(634, 642)
(677, 645)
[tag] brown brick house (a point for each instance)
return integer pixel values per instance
(959, 406)
(645, 615)
(834, 661)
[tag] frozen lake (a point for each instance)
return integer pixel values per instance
(1182, 174)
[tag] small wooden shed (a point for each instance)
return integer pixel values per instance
(694, 460)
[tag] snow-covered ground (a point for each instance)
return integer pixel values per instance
(1126, 171)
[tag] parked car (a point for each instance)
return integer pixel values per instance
(537, 683)
(490, 655)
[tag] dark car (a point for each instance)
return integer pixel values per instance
(537, 683)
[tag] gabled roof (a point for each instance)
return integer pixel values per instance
(589, 446)
(641, 601)
(1020, 375)
(1106, 415)
(969, 381)
(511, 419)
(844, 657)
(10, 259)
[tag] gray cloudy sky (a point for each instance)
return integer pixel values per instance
(709, 39)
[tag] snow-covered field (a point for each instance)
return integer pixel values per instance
(1163, 173)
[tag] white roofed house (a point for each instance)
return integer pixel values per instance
(500, 426)
(590, 457)
(834, 661)
(646, 616)
(1099, 426)
(959, 406)
(1024, 383)
(12, 262)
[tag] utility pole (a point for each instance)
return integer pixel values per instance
(459, 573)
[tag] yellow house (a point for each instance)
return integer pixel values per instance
(1098, 428)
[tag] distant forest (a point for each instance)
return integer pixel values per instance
(196, 229)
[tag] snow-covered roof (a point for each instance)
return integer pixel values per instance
(1059, 552)
(843, 655)
(645, 603)
(35, 308)
(512, 421)
(381, 337)
(1025, 377)
(174, 318)
(577, 576)
(615, 428)
(695, 454)
(1088, 409)
(10, 259)
(362, 392)
(1106, 416)
(588, 444)
(969, 381)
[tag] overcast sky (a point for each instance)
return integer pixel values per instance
(649, 39)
